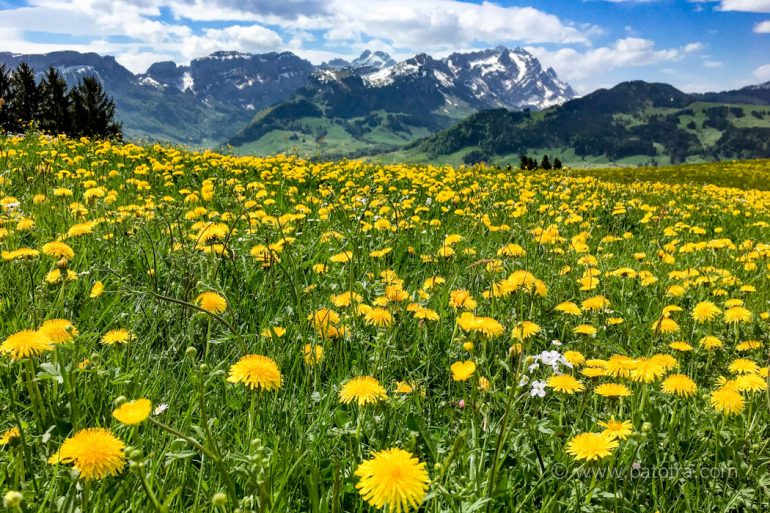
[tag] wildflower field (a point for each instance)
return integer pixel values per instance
(198, 332)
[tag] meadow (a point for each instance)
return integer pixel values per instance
(191, 331)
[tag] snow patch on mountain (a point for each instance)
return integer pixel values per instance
(187, 83)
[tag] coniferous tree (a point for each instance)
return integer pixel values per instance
(545, 163)
(93, 113)
(25, 97)
(557, 163)
(55, 103)
(5, 97)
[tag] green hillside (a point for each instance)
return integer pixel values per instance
(632, 124)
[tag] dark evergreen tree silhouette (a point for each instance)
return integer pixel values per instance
(54, 103)
(545, 163)
(527, 163)
(93, 112)
(557, 163)
(5, 97)
(24, 96)
(51, 106)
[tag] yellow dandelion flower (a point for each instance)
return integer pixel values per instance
(94, 452)
(612, 390)
(10, 435)
(617, 429)
(575, 358)
(569, 308)
(680, 346)
(591, 446)
(26, 343)
(743, 366)
(565, 384)
(462, 371)
(211, 302)
(705, 311)
(119, 336)
(710, 342)
(461, 299)
(585, 329)
(257, 372)
(525, 329)
(402, 387)
(59, 331)
(727, 401)
(394, 480)
(58, 249)
(679, 384)
(363, 390)
(133, 412)
(97, 290)
(379, 317)
(737, 314)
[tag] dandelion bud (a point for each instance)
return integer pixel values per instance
(119, 400)
(646, 427)
(135, 455)
(204, 367)
(12, 499)
(191, 352)
(219, 499)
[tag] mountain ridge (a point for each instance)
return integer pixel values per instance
(211, 98)
(633, 122)
(392, 105)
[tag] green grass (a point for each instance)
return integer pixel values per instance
(489, 445)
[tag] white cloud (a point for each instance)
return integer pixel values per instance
(762, 27)
(240, 38)
(629, 52)
(763, 72)
(712, 64)
(312, 28)
(745, 5)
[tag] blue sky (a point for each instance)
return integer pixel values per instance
(696, 45)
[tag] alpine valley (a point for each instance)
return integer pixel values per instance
(488, 105)
(264, 102)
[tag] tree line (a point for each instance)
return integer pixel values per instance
(529, 164)
(52, 106)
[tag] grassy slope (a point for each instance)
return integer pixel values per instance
(706, 135)
(337, 141)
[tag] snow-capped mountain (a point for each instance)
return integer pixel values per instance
(251, 82)
(369, 60)
(400, 101)
(498, 77)
(213, 96)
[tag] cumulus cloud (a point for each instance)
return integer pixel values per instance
(745, 5)
(241, 38)
(311, 28)
(762, 27)
(763, 72)
(628, 52)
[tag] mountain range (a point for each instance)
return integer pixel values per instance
(487, 105)
(214, 98)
